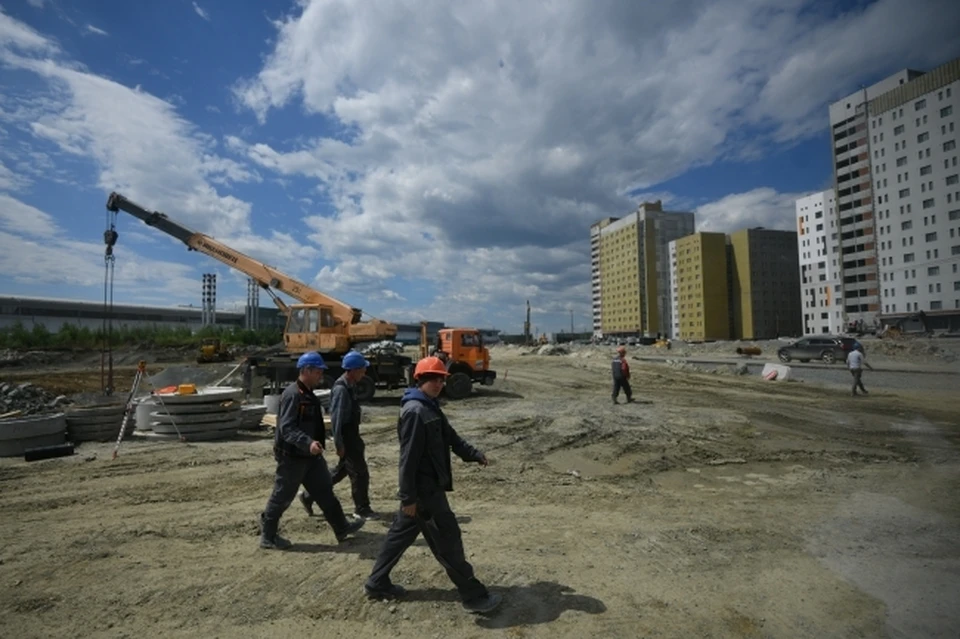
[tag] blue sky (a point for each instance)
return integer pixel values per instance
(417, 159)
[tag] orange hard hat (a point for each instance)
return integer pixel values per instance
(430, 366)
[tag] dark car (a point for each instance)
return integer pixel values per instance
(823, 347)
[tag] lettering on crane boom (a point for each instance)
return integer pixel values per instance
(219, 251)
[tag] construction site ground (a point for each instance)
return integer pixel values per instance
(716, 505)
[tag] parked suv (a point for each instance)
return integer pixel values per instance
(824, 347)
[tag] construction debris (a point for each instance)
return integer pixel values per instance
(27, 399)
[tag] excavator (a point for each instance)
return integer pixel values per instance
(317, 323)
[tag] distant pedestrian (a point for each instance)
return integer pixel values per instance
(298, 448)
(621, 375)
(856, 360)
(426, 439)
(345, 420)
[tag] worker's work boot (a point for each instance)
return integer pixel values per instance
(483, 605)
(367, 513)
(350, 528)
(269, 538)
(629, 400)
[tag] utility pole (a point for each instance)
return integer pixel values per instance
(526, 326)
(571, 322)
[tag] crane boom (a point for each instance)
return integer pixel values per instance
(336, 325)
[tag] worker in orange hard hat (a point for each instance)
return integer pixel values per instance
(426, 439)
(621, 375)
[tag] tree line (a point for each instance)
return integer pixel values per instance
(72, 337)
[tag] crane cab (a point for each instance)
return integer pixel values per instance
(314, 327)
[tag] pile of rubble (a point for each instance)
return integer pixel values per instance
(26, 399)
(11, 357)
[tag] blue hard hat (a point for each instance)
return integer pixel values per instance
(354, 360)
(311, 359)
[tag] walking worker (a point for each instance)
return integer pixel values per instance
(426, 439)
(298, 449)
(345, 421)
(856, 360)
(621, 375)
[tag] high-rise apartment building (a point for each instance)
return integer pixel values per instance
(699, 279)
(765, 284)
(853, 184)
(914, 129)
(596, 301)
(818, 247)
(632, 291)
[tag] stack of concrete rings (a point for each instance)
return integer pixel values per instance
(209, 414)
(97, 423)
(20, 434)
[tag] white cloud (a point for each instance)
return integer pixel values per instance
(35, 250)
(200, 12)
(10, 181)
(17, 217)
(94, 30)
(18, 36)
(760, 207)
(512, 126)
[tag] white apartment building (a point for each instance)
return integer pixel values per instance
(674, 330)
(818, 248)
(855, 200)
(914, 130)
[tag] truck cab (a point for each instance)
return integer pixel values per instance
(467, 359)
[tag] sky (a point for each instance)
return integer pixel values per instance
(417, 159)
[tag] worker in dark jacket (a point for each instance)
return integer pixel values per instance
(621, 375)
(345, 420)
(426, 439)
(298, 448)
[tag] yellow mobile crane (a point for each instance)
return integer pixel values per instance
(318, 323)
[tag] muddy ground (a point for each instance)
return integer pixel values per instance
(717, 506)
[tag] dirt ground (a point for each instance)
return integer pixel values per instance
(716, 506)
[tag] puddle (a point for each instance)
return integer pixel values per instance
(593, 461)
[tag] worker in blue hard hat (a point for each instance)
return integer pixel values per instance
(298, 448)
(345, 419)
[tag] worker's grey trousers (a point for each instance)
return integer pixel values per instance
(439, 527)
(857, 382)
(313, 474)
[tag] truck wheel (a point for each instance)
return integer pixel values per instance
(365, 389)
(458, 386)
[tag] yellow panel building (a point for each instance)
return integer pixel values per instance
(702, 294)
(630, 270)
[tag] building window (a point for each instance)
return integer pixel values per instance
(904, 192)
(949, 145)
(908, 257)
(923, 137)
(919, 104)
(928, 204)
(952, 179)
(897, 130)
(906, 225)
(936, 305)
(931, 237)
(926, 170)
(954, 215)
(901, 160)
(945, 111)
(911, 290)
